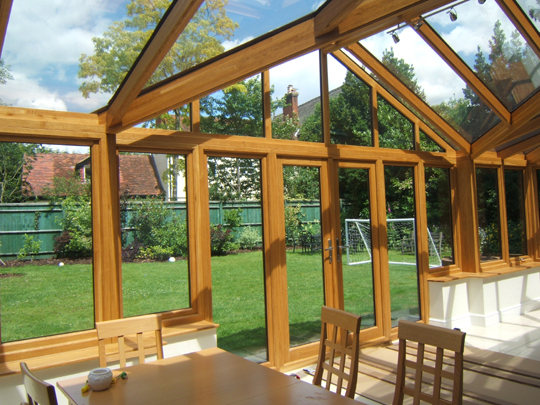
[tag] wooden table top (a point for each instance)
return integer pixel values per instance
(210, 376)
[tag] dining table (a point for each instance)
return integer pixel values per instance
(210, 376)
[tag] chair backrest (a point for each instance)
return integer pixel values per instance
(423, 363)
(37, 391)
(131, 342)
(337, 330)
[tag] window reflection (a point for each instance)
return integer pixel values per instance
(489, 229)
(515, 212)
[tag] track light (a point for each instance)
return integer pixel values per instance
(453, 14)
(417, 24)
(395, 37)
(481, 1)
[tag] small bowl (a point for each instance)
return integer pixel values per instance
(100, 379)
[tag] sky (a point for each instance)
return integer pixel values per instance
(45, 40)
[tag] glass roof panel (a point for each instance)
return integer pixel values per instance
(43, 44)
(532, 9)
(226, 25)
(484, 37)
(425, 73)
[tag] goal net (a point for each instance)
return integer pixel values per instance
(401, 242)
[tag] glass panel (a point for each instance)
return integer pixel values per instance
(401, 229)
(236, 110)
(395, 131)
(238, 294)
(356, 234)
(531, 8)
(489, 229)
(427, 75)
(304, 254)
(350, 107)
(490, 44)
(46, 278)
(439, 217)
(297, 114)
(429, 145)
(219, 26)
(515, 212)
(155, 275)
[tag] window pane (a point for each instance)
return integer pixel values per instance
(488, 214)
(350, 107)
(46, 284)
(155, 275)
(395, 131)
(235, 110)
(429, 145)
(356, 234)
(401, 229)
(238, 294)
(439, 217)
(304, 255)
(515, 212)
(296, 105)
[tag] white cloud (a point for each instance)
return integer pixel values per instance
(25, 92)
(233, 44)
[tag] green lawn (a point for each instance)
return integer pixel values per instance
(47, 300)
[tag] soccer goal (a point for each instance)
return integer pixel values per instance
(401, 242)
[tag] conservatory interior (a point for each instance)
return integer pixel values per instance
(377, 157)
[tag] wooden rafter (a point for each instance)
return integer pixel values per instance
(522, 23)
(171, 26)
(519, 147)
(410, 97)
(533, 125)
(334, 13)
(463, 70)
(5, 11)
(265, 54)
(533, 156)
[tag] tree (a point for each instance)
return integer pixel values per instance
(403, 72)
(116, 51)
(5, 75)
(15, 163)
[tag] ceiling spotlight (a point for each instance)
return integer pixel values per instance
(395, 37)
(418, 24)
(453, 14)
(481, 1)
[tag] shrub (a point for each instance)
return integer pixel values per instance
(31, 247)
(222, 240)
(155, 253)
(76, 238)
(249, 238)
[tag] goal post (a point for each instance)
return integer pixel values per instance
(401, 242)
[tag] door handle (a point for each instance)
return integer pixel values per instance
(338, 253)
(330, 249)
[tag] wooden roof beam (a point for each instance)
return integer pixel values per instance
(503, 132)
(533, 156)
(5, 11)
(519, 147)
(265, 54)
(334, 13)
(522, 23)
(410, 97)
(453, 60)
(171, 26)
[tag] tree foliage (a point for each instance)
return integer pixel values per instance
(118, 48)
(5, 75)
(15, 163)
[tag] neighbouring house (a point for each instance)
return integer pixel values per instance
(139, 176)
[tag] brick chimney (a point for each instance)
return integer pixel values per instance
(291, 109)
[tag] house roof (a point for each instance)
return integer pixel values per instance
(138, 176)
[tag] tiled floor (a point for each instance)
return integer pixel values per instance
(519, 336)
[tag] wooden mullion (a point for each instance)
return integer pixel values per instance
(195, 116)
(5, 11)
(522, 23)
(267, 103)
(422, 238)
(163, 38)
(505, 252)
(325, 98)
(532, 212)
(463, 70)
(409, 96)
(329, 18)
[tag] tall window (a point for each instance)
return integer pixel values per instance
(46, 284)
(155, 275)
(515, 212)
(489, 229)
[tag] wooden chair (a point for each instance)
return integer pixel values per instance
(442, 339)
(129, 347)
(336, 328)
(37, 391)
